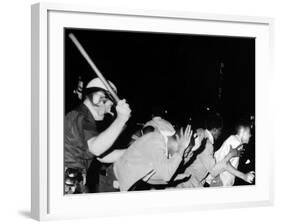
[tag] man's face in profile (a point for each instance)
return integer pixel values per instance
(102, 103)
(245, 134)
(217, 133)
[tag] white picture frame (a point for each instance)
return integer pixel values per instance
(48, 201)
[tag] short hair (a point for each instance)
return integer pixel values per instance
(242, 123)
(213, 121)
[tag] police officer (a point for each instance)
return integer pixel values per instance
(83, 141)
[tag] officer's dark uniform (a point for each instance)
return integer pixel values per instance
(79, 127)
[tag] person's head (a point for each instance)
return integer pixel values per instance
(166, 129)
(98, 98)
(214, 124)
(243, 130)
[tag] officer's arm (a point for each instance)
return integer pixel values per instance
(112, 157)
(101, 143)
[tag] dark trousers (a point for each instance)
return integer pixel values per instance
(140, 186)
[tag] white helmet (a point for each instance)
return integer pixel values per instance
(97, 83)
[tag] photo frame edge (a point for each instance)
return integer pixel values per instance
(39, 117)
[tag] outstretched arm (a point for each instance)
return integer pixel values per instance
(225, 165)
(222, 165)
(101, 143)
(248, 177)
(112, 157)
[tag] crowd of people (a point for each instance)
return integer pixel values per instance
(159, 156)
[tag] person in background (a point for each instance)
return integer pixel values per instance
(242, 136)
(203, 161)
(82, 140)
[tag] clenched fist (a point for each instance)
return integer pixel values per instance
(123, 110)
(249, 177)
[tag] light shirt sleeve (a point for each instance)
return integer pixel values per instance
(223, 151)
(226, 177)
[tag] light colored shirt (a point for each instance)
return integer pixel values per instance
(232, 141)
(204, 162)
(146, 159)
(209, 136)
(164, 127)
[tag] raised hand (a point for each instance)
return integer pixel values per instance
(123, 110)
(183, 139)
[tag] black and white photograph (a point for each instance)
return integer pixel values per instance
(157, 111)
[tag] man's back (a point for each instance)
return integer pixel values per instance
(146, 159)
(137, 161)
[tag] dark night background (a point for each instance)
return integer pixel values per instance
(177, 73)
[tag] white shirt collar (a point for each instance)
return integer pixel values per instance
(209, 136)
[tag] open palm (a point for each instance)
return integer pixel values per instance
(183, 138)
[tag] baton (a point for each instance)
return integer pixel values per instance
(94, 67)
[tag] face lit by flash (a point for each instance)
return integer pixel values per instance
(245, 134)
(103, 104)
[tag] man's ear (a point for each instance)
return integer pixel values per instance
(96, 99)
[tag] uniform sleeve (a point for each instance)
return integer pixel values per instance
(87, 128)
